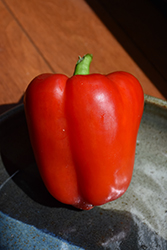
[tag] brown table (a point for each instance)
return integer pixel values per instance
(48, 36)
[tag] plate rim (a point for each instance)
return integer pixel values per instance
(20, 107)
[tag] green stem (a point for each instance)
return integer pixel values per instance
(83, 64)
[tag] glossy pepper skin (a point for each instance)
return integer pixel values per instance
(83, 132)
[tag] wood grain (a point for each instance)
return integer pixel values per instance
(140, 27)
(19, 59)
(48, 36)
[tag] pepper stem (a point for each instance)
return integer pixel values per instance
(83, 64)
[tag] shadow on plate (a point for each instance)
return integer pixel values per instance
(17, 156)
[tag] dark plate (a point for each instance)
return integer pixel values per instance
(31, 219)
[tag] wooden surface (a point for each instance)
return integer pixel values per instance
(39, 36)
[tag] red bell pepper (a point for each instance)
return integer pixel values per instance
(83, 132)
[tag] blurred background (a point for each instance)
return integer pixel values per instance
(39, 36)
